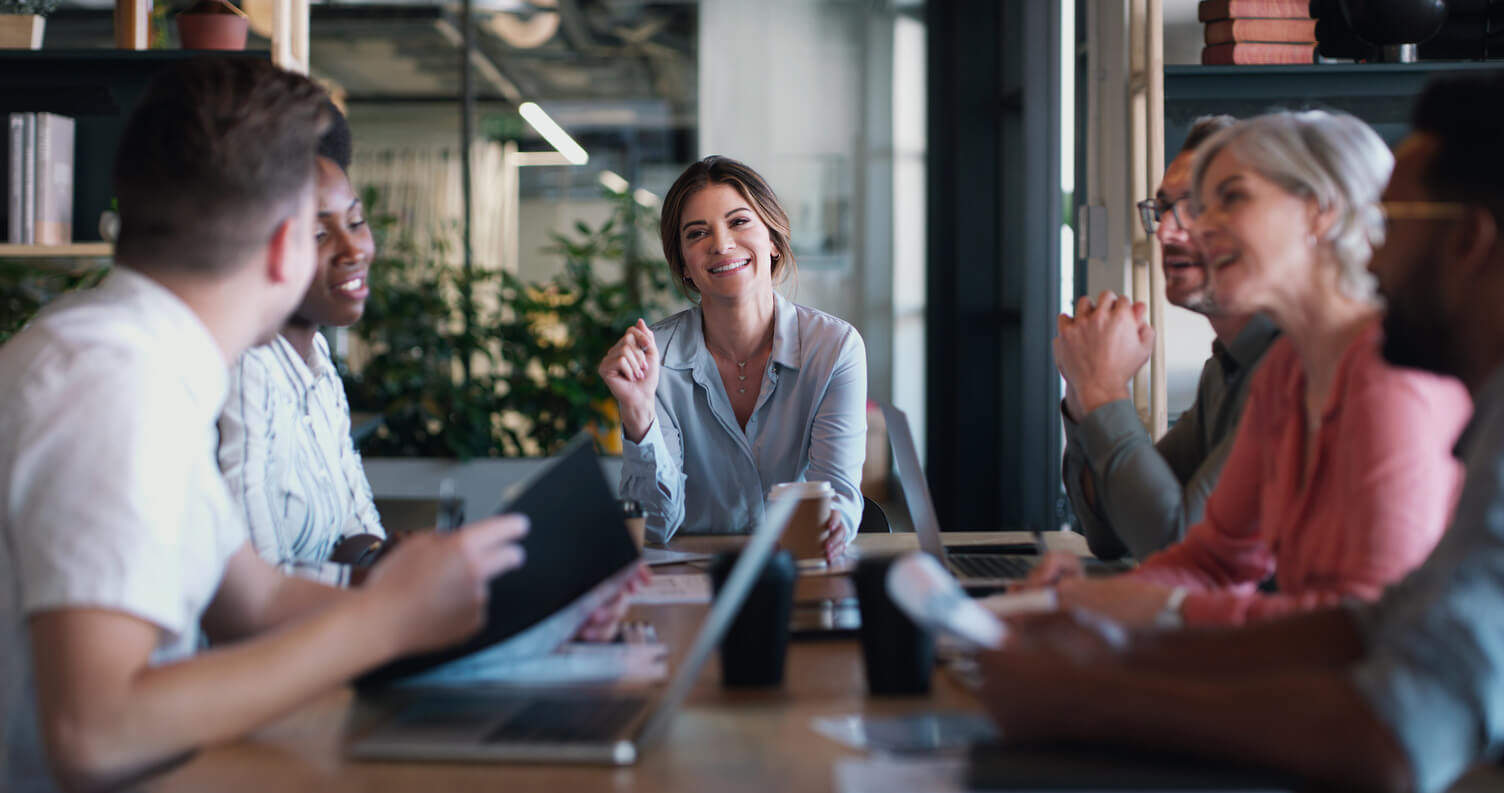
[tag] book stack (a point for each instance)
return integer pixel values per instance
(1257, 31)
(39, 206)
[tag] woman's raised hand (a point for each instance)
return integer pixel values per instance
(630, 370)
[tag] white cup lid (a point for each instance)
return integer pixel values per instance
(800, 490)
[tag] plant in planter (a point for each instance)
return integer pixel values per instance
(22, 23)
(212, 25)
(515, 378)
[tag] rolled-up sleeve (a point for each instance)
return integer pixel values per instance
(652, 474)
(838, 434)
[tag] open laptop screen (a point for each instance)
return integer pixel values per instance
(916, 489)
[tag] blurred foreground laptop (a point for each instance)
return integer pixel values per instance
(975, 568)
(475, 724)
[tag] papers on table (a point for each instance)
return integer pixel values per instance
(577, 663)
(660, 556)
(923, 733)
(890, 775)
(1028, 602)
(674, 589)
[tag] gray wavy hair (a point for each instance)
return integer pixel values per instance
(1332, 157)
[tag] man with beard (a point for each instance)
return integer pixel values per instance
(1405, 694)
(1134, 496)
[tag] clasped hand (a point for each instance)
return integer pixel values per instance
(1099, 350)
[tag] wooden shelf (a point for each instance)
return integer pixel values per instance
(1381, 94)
(77, 250)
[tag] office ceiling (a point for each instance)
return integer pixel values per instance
(595, 53)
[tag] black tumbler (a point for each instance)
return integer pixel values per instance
(757, 641)
(898, 654)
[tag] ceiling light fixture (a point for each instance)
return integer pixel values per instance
(553, 133)
(613, 181)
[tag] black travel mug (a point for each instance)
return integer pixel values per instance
(756, 643)
(897, 654)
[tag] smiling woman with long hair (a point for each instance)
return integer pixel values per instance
(745, 389)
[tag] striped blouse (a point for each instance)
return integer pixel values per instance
(286, 455)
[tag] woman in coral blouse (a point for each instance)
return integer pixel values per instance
(1341, 477)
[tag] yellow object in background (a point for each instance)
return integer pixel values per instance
(607, 436)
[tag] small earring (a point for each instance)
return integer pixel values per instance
(1310, 240)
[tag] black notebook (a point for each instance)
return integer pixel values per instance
(1100, 768)
(578, 539)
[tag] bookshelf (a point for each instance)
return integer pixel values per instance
(97, 88)
(1379, 93)
(77, 250)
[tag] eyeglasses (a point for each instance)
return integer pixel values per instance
(1390, 211)
(1150, 210)
(1422, 210)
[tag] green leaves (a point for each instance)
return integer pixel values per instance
(532, 350)
(28, 284)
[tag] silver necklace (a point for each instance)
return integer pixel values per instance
(741, 376)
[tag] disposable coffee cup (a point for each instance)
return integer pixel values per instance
(636, 520)
(802, 536)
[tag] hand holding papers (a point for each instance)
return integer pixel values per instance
(931, 597)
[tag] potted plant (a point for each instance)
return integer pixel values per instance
(485, 365)
(22, 22)
(212, 25)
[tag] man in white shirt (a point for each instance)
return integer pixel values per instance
(117, 538)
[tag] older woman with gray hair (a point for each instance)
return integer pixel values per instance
(1340, 479)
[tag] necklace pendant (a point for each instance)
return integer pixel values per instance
(742, 390)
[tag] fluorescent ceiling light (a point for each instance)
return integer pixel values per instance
(645, 198)
(613, 181)
(553, 133)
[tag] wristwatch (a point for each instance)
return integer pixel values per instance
(1169, 617)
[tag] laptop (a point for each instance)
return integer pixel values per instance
(565, 726)
(978, 568)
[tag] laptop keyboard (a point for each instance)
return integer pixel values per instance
(568, 720)
(979, 566)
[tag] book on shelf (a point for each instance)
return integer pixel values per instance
(1213, 10)
(1231, 31)
(39, 195)
(1246, 53)
(20, 211)
(53, 224)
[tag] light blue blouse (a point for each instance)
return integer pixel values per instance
(696, 470)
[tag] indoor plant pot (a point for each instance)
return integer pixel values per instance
(22, 22)
(212, 25)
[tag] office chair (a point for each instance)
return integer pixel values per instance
(874, 520)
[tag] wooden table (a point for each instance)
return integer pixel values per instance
(720, 741)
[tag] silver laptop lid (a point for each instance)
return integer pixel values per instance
(916, 490)
(738, 584)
